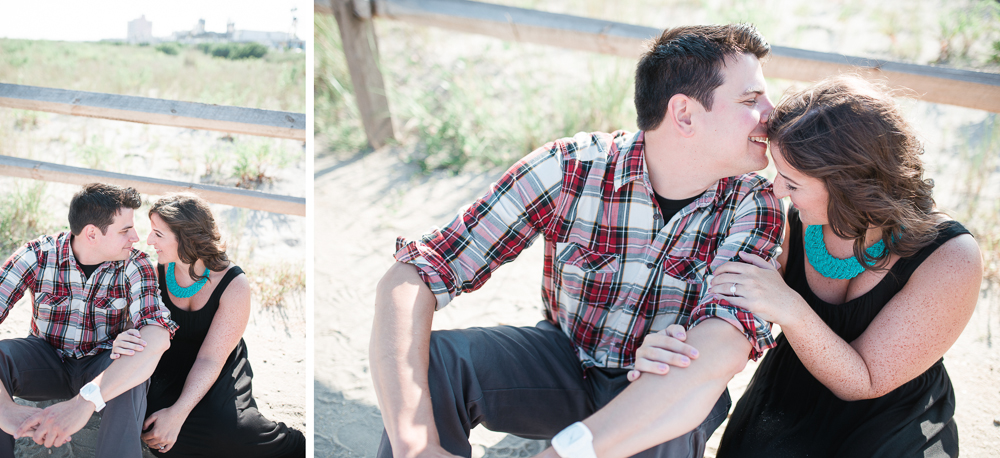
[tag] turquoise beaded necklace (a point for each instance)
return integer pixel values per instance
(183, 292)
(829, 266)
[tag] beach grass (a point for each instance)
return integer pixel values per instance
(22, 217)
(275, 82)
(485, 102)
(462, 102)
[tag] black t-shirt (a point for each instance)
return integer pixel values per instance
(89, 270)
(669, 207)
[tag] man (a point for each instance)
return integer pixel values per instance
(87, 285)
(633, 226)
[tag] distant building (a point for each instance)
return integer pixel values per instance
(277, 40)
(140, 30)
(274, 40)
(197, 34)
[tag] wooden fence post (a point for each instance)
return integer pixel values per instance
(361, 51)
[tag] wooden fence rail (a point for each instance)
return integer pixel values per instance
(933, 84)
(237, 120)
(45, 171)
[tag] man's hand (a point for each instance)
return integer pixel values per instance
(54, 425)
(13, 415)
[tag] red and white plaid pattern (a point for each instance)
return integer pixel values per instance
(81, 318)
(614, 270)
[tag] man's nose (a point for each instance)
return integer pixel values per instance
(766, 108)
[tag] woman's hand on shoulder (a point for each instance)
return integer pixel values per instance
(127, 343)
(661, 350)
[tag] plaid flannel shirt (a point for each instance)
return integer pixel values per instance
(614, 270)
(81, 317)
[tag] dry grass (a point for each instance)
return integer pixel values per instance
(276, 82)
(272, 282)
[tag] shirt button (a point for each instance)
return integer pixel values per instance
(656, 216)
(650, 265)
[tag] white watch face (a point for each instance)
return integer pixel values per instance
(92, 393)
(573, 434)
(573, 441)
(87, 391)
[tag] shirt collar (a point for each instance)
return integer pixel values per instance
(630, 165)
(64, 244)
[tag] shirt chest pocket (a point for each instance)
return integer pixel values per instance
(586, 275)
(51, 308)
(111, 313)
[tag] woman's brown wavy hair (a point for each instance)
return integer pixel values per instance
(850, 134)
(191, 221)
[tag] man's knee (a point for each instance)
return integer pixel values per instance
(449, 350)
(131, 402)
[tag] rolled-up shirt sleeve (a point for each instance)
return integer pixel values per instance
(145, 304)
(757, 228)
(461, 256)
(16, 275)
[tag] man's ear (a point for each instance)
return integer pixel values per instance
(681, 111)
(90, 232)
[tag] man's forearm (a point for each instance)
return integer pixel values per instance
(398, 354)
(658, 408)
(54, 425)
(126, 373)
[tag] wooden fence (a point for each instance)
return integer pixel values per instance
(239, 120)
(933, 84)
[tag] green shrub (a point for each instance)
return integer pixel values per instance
(248, 51)
(234, 51)
(22, 215)
(169, 49)
(222, 50)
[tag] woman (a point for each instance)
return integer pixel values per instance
(199, 400)
(875, 287)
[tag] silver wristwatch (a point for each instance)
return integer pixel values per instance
(575, 441)
(92, 393)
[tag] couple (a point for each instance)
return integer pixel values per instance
(666, 257)
(92, 292)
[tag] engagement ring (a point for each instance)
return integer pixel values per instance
(732, 289)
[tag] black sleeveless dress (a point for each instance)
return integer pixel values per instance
(226, 421)
(786, 412)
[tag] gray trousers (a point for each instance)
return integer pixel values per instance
(31, 369)
(527, 382)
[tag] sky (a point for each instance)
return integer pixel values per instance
(76, 20)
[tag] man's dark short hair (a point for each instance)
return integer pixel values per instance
(98, 203)
(688, 60)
